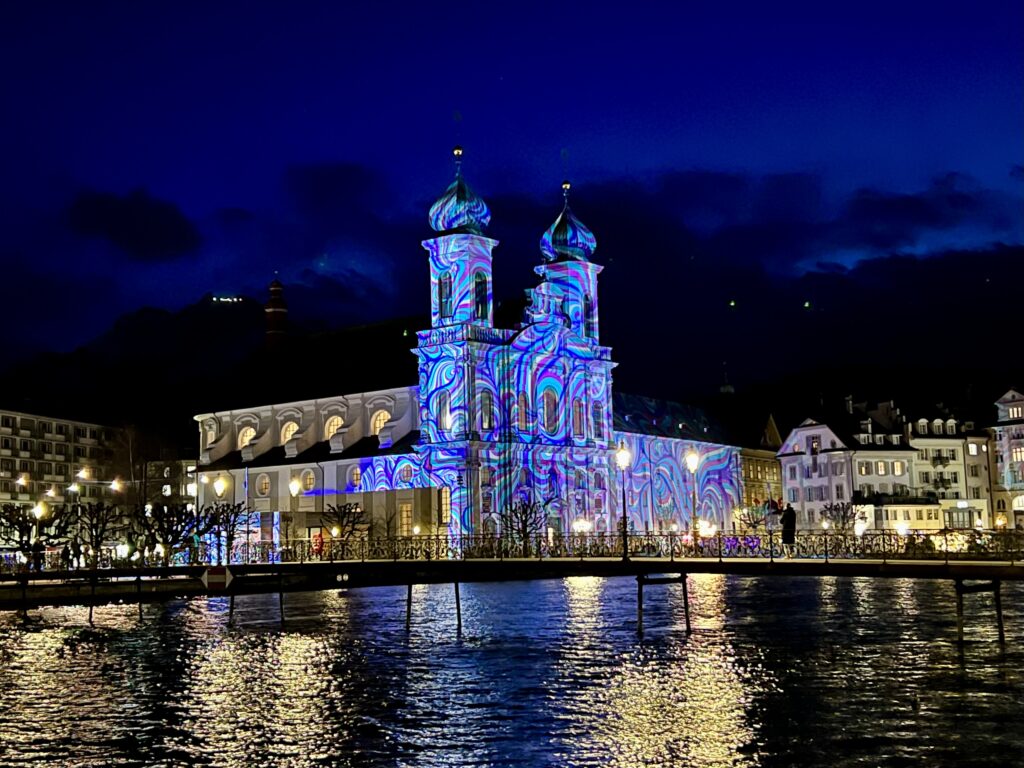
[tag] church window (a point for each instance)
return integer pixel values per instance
(444, 411)
(406, 473)
(377, 422)
(550, 403)
(288, 431)
(486, 410)
(308, 480)
(444, 295)
(480, 296)
(577, 417)
(263, 485)
(598, 418)
(589, 322)
(332, 426)
(245, 436)
(524, 413)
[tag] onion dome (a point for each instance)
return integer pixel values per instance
(568, 239)
(459, 209)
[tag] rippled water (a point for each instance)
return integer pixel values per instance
(779, 672)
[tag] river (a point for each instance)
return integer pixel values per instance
(778, 672)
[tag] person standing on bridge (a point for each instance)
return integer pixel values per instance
(788, 523)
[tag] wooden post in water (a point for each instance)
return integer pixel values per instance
(280, 594)
(458, 610)
(999, 610)
(408, 608)
(686, 604)
(639, 604)
(138, 592)
(958, 584)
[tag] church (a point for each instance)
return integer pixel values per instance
(496, 417)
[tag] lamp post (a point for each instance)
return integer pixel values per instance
(693, 464)
(623, 458)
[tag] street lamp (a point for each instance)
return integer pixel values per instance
(219, 486)
(693, 464)
(294, 486)
(623, 458)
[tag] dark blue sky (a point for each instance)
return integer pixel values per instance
(159, 151)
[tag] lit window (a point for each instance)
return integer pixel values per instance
(524, 413)
(288, 431)
(211, 436)
(1016, 412)
(486, 410)
(332, 426)
(444, 411)
(356, 477)
(972, 449)
(881, 468)
(898, 468)
(308, 480)
(1017, 454)
(377, 422)
(263, 485)
(245, 436)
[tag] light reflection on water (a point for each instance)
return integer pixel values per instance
(843, 672)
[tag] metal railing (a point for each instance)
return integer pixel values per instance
(946, 545)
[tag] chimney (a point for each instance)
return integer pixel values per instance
(849, 404)
(277, 315)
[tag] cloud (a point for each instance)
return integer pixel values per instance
(143, 227)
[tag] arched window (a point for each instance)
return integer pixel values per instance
(486, 410)
(211, 433)
(598, 418)
(550, 404)
(378, 420)
(577, 417)
(263, 485)
(444, 411)
(288, 431)
(480, 296)
(589, 326)
(332, 426)
(405, 474)
(598, 481)
(444, 295)
(308, 480)
(524, 413)
(356, 477)
(245, 436)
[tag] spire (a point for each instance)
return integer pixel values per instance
(276, 310)
(568, 239)
(459, 209)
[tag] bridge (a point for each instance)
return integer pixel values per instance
(973, 561)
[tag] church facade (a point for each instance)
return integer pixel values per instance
(497, 416)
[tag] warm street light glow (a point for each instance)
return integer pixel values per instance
(204, 479)
(190, 489)
(335, 531)
(825, 524)
(83, 473)
(51, 492)
(415, 530)
(623, 457)
(38, 511)
(294, 486)
(859, 527)
(1001, 520)
(582, 526)
(73, 488)
(115, 485)
(706, 529)
(692, 460)
(219, 486)
(902, 529)
(675, 527)
(21, 482)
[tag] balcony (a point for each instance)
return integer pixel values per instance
(940, 461)
(942, 482)
(57, 438)
(6, 431)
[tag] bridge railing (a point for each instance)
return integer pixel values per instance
(947, 545)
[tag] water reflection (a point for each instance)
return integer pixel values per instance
(544, 673)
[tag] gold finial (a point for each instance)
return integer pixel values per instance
(566, 186)
(457, 151)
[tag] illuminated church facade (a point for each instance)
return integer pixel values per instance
(497, 416)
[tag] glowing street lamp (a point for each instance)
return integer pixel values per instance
(693, 464)
(115, 485)
(623, 460)
(294, 486)
(219, 486)
(38, 511)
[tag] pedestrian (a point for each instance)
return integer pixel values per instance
(65, 557)
(788, 522)
(37, 554)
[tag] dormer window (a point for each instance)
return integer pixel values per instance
(245, 436)
(288, 431)
(332, 425)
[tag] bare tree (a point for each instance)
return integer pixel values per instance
(752, 518)
(343, 519)
(22, 526)
(521, 522)
(840, 514)
(95, 524)
(173, 525)
(227, 520)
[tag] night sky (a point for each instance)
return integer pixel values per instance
(737, 162)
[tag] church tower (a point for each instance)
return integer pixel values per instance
(276, 312)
